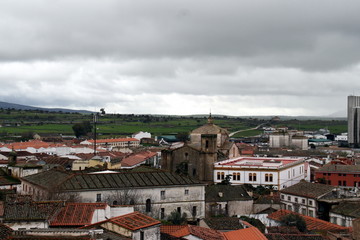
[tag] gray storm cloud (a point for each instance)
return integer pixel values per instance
(181, 56)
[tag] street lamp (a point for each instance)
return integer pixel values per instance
(96, 115)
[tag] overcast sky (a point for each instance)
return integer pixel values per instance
(248, 57)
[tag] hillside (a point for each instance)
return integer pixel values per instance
(7, 105)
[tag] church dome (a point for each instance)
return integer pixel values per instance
(210, 128)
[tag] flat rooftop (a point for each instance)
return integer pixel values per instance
(265, 162)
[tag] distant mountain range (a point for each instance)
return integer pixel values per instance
(341, 115)
(6, 105)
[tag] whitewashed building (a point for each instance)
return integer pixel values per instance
(344, 213)
(276, 172)
(303, 197)
(140, 135)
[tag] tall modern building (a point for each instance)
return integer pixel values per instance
(354, 121)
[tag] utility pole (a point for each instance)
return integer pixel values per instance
(96, 115)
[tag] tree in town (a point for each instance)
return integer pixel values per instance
(176, 218)
(294, 220)
(82, 129)
(255, 222)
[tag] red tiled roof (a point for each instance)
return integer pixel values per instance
(76, 214)
(137, 158)
(23, 145)
(110, 140)
(251, 233)
(311, 222)
(132, 161)
(200, 232)
(169, 229)
(134, 221)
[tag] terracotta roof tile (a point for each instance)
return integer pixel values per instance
(23, 145)
(200, 232)
(76, 214)
(168, 229)
(115, 140)
(311, 223)
(307, 189)
(134, 221)
(251, 233)
(132, 161)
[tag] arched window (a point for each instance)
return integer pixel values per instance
(250, 177)
(254, 177)
(266, 177)
(148, 205)
(270, 177)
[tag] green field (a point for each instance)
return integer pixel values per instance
(16, 122)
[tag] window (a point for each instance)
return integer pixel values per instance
(268, 177)
(162, 213)
(186, 191)
(252, 177)
(290, 207)
(236, 176)
(289, 198)
(194, 211)
(282, 196)
(98, 197)
(343, 222)
(334, 220)
(207, 144)
(310, 202)
(339, 183)
(220, 175)
(179, 210)
(296, 199)
(142, 237)
(303, 211)
(344, 183)
(162, 195)
(311, 213)
(303, 201)
(148, 205)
